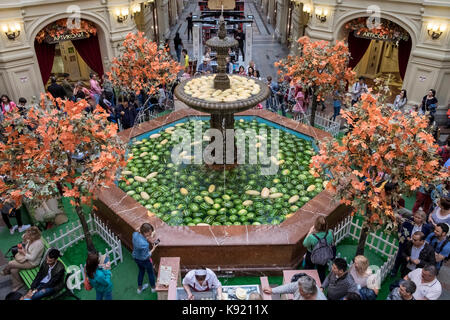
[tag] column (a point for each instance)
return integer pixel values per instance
(281, 22)
(197, 42)
(149, 25)
(297, 28)
(163, 19)
(173, 12)
(248, 42)
(270, 10)
(180, 7)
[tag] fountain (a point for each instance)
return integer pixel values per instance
(211, 225)
(217, 95)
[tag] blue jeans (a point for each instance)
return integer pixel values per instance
(145, 265)
(42, 293)
(270, 103)
(178, 53)
(337, 111)
(104, 295)
(282, 106)
(97, 98)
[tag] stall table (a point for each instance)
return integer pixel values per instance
(230, 292)
(169, 270)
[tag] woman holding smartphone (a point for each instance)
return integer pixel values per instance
(142, 255)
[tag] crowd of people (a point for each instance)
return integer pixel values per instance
(123, 107)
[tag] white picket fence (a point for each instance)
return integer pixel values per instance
(73, 233)
(321, 120)
(385, 246)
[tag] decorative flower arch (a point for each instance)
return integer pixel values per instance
(384, 28)
(59, 27)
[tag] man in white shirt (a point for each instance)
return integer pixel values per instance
(428, 286)
(201, 280)
(358, 88)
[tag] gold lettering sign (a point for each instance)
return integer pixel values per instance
(374, 36)
(66, 37)
(217, 4)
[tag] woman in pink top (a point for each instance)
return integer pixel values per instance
(300, 98)
(7, 105)
(96, 90)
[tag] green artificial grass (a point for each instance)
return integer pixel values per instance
(77, 254)
(124, 275)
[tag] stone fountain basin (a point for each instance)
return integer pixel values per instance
(241, 249)
(222, 107)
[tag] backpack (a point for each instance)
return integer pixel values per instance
(322, 251)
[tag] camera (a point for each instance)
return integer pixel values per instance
(156, 242)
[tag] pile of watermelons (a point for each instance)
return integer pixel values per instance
(192, 194)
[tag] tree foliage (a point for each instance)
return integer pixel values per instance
(321, 66)
(142, 65)
(37, 152)
(383, 145)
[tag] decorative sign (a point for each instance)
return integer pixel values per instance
(374, 36)
(66, 37)
(385, 30)
(422, 78)
(165, 274)
(23, 79)
(61, 30)
(217, 4)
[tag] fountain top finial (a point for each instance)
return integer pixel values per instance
(222, 29)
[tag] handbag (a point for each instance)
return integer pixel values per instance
(12, 251)
(20, 258)
(86, 283)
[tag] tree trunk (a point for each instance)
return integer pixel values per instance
(84, 225)
(313, 110)
(362, 241)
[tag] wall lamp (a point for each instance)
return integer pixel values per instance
(135, 10)
(122, 14)
(435, 30)
(321, 14)
(12, 31)
(307, 10)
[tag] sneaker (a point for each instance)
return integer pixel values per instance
(153, 290)
(12, 230)
(145, 286)
(24, 227)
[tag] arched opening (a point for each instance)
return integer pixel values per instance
(380, 50)
(66, 46)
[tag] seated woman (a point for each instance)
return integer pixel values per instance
(28, 257)
(201, 280)
(368, 283)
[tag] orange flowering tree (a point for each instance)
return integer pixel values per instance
(383, 145)
(142, 66)
(38, 151)
(321, 66)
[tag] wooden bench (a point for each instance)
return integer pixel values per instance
(165, 291)
(28, 276)
(287, 276)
